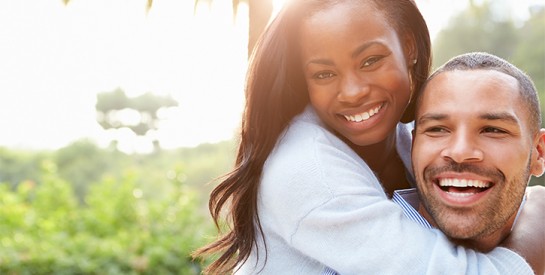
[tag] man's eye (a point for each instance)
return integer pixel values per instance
(435, 130)
(370, 61)
(493, 130)
(323, 75)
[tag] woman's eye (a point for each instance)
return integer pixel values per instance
(323, 75)
(370, 61)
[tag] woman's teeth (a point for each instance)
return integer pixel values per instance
(363, 116)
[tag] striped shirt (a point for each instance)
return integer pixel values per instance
(408, 200)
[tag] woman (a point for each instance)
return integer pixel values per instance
(321, 149)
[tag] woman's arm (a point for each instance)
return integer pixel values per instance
(528, 235)
(324, 202)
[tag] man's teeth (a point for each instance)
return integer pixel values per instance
(460, 194)
(463, 183)
(363, 116)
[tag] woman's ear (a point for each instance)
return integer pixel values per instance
(411, 52)
(537, 166)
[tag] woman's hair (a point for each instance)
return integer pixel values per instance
(275, 93)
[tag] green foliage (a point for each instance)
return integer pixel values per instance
(127, 214)
(481, 28)
(19, 166)
(530, 53)
(119, 231)
(477, 28)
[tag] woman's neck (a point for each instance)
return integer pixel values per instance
(384, 160)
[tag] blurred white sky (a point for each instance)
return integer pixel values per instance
(55, 58)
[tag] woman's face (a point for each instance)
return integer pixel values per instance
(357, 71)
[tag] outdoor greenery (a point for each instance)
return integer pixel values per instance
(483, 27)
(84, 209)
(121, 214)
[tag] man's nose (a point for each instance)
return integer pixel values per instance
(463, 148)
(353, 89)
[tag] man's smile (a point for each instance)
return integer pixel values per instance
(460, 191)
(463, 187)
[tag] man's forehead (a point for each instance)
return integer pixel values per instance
(468, 85)
(483, 94)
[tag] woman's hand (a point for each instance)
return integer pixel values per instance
(528, 235)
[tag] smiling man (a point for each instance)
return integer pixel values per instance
(477, 142)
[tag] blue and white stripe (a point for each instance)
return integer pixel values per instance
(408, 200)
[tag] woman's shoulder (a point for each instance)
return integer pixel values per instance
(306, 139)
(309, 154)
(308, 128)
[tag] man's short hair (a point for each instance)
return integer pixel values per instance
(486, 61)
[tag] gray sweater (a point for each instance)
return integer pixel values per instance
(320, 205)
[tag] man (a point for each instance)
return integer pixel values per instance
(477, 141)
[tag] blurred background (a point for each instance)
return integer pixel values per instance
(117, 115)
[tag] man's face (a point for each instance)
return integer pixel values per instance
(473, 152)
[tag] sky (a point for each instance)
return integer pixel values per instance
(55, 58)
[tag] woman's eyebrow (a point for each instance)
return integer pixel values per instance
(364, 47)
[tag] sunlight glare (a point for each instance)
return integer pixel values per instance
(277, 5)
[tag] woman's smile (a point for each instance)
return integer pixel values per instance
(364, 115)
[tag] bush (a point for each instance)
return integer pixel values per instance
(117, 231)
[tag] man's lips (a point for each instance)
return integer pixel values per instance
(463, 185)
(462, 191)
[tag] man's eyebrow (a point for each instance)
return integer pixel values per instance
(431, 116)
(503, 116)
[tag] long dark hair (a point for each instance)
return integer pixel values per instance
(275, 93)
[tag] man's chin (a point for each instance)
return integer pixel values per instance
(467, 232)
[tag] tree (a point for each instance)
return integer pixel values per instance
(260, 12)
(478, 28)
(115, 110)
(530, 52)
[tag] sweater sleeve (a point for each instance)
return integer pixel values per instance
(326, 203)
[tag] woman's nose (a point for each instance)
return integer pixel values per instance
(352, 89)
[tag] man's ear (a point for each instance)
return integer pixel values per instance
(538, 154)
